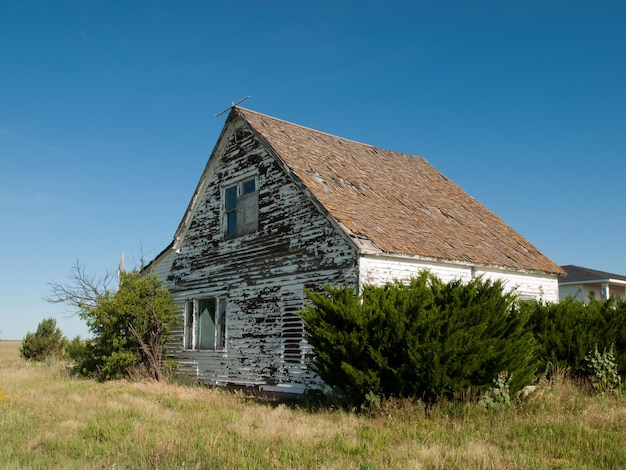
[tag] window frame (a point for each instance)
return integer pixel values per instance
(246, 199)
(192, 328)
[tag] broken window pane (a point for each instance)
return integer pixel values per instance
(188, 325)
(220, 334)
(248, 187)
(206, 324)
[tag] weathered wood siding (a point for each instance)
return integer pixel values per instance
(162, 265)
(378, 270)
(261, 274)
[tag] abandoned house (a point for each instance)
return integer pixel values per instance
(280, 207)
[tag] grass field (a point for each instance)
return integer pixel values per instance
(48, 420)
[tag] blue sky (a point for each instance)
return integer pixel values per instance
(107, 117)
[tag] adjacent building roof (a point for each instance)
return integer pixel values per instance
(400, 204)
(577, 274)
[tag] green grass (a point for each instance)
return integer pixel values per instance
(48, 420)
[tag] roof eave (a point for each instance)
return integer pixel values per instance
(379, 253)
(594, 281)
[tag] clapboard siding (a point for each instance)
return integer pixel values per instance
(537, 286)
(262, 274)
(378, 270)
(162, 265)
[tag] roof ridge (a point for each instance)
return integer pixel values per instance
(317, 131)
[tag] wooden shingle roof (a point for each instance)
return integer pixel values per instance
(398, 203)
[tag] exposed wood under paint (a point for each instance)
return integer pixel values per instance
(262, 274)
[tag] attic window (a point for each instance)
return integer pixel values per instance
(241, 208)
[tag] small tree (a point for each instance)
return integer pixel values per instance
(47, 342)
(130, 326)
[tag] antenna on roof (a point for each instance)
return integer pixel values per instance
(233, 104)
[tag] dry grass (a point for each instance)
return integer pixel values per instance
(49, 420)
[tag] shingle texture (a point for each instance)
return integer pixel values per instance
(580, 274)
(399, 203)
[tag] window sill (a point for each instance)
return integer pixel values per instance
(206, 350)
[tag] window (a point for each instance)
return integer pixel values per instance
(205, 324)
(241, 208)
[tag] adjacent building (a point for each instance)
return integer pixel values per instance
(585, 284)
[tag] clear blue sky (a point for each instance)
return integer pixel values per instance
(107, 117)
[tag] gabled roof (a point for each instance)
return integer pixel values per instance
(395, 203)
(578, 274)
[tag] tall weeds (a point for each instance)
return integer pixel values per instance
(48, 420)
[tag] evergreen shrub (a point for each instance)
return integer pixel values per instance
(45, 343)
(568, 330)
(75, 350)
(614, 333)
(426, 339)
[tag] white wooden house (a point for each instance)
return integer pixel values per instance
(280, 207)
(585, 284)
